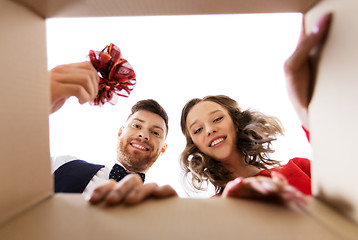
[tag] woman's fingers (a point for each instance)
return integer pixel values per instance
(275, 189)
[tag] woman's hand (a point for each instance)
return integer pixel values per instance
(274, 189)
(299, 70)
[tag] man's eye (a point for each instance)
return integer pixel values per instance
(156, 133)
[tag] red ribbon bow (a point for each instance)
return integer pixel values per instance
(116, 74)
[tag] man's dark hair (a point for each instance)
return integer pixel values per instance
(151, 106)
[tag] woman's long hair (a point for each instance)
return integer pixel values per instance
(254, 131)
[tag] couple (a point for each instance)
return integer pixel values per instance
(225, 145)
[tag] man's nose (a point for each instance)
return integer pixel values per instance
(144, 135)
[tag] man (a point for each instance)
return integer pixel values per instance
(140, 142)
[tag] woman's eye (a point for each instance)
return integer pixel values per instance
(197, 131)
(218, 119)
(156, 134)
(135, 125)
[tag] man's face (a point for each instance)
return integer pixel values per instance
(141, 141)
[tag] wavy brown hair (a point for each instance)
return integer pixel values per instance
(255, 132)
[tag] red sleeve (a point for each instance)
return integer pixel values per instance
(304, 164)
(297, 172)
(307, 133)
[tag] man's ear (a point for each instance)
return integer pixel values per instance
(120, 131)
(163, 148)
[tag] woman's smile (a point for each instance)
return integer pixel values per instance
(217, 142)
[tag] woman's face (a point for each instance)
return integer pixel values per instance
(212, 130)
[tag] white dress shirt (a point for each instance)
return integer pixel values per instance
(101, 177)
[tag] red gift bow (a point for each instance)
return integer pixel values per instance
(116, 74)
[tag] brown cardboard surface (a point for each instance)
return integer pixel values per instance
(333, 111)
(331, 219)
(25, 165)
(93, 8)
(69, 216)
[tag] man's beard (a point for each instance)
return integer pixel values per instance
(134, 161)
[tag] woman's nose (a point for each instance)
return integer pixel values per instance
(210, 130)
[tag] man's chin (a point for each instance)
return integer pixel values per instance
(137, 162)
(138, 156)
(136, 166)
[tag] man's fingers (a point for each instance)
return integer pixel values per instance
(84, 65)
(87, 79)
(113, 192)
(129, 190)
(139, 194)
(101, 192)
(164, 191)
(69, 90)
(83, 74)
(123, 188)
(149, 190)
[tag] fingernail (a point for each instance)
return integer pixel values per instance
(94, 196)
(317, 28)
(112, 198)
(267, 186)
(132, 195)
(278, 177)
(238, 180)
(131, 199)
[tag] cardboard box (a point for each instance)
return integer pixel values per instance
(95, 8)
(332, 111)
(24, 177)
(30, 210)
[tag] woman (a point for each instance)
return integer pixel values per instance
(230, 147)
(225, 143)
